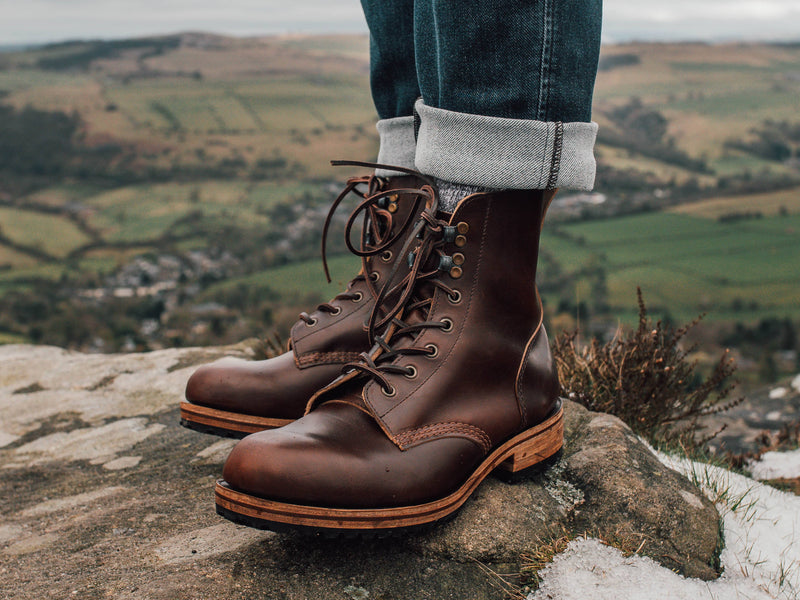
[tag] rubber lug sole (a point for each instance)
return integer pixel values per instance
(224, 423)
(514, 459)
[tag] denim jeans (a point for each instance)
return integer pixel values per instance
(505, 88)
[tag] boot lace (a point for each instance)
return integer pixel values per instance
(409, 315)
(377, 231)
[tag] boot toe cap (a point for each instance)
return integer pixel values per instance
(210, 383)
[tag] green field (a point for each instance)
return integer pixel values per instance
(12, 259)
(770, 203)
(285, 103)
(689, 264)
(132, 215)
(52, 234)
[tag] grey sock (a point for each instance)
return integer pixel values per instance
(450, 194)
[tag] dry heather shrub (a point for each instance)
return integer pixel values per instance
(645, 377)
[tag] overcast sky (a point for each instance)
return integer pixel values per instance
(24, 21)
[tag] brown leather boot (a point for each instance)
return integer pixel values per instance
(461, 384)
(235, 397)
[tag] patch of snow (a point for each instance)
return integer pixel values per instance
(777, 393)
(776, 465)
(796, 383)
(590, 570)
(774, 415)
(762, 526)
(761, 558)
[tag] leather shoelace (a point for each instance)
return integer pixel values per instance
(416, 290)
(376, 231)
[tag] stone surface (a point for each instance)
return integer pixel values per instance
(103, 494)
(634, 501)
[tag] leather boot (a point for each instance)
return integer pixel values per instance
(235, 397)
(461, 384)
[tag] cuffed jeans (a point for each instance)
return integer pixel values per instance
(494, 94)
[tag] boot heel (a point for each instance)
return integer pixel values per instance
(536, 446)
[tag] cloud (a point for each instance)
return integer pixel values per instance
(707, 10)
(45, 20)
(701, 19)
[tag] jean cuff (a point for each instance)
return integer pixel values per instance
(397, 144)
(495, 152)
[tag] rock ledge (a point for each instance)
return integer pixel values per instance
(105, 495)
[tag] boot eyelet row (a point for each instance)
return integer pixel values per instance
(374, 276)
(455, 297)
(337, 312)
(358, 297)
(311, 322)
(461, 238)
(387, 256)
(390, 392)
(412, 372)
(433, 350)
(448, 325)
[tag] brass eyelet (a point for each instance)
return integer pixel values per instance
(458, 259)
(374, 276)
(337, 312)
(412, 372)
(358, 297)
(433, 350)
(387, 256)
(448, 325)
(460, 241)
(390, 392)
(456, 272)
(462, 227)
(455, 297)
(311, 322)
